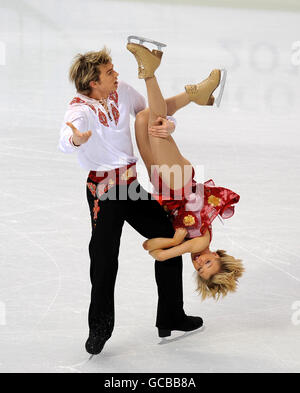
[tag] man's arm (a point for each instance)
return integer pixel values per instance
(164, 242)
(74, 132)
(192, 246)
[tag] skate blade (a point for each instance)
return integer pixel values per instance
(142, 40)
(222, 85)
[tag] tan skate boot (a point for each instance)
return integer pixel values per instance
(201, 93)
(147, 61)
(211, 101)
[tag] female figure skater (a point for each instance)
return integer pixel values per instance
(192, 207)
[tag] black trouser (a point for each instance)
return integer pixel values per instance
(150, 220)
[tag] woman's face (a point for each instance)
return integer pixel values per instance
(206, 264)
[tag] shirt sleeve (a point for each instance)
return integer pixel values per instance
(137, 101)
(80, 121)
(172, 118)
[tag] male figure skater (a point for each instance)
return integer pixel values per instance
(96, 126)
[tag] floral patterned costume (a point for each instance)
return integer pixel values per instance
(195, 206)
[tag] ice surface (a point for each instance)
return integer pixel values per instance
(251, 145)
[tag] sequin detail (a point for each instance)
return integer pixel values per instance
(213, 200)
(189, 220)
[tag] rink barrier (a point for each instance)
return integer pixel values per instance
(276, 5)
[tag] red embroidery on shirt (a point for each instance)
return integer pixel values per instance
(92, 107)
(102, 118)
(77, 100)
(115, 113)
(114, 97)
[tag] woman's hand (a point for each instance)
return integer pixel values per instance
(78, 137)
(161, 128)
(179, 236)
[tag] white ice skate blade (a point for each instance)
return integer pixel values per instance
(221, 86)
(179, 335)
(142, 40)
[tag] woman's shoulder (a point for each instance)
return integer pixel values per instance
(207, 233)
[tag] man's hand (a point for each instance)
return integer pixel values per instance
(79, 137)
(161, 128)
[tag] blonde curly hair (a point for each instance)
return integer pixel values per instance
(223, 282)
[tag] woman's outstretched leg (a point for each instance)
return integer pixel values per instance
(177, 102)
(173, 168)
(157, 104)
(144, 145)
(142, 139)
(173, 104)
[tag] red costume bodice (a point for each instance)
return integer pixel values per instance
(195, 206)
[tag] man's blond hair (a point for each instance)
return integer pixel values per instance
(223, 282)
(84, 69)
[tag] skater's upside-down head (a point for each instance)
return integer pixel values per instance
(86, 68)
(217, 273)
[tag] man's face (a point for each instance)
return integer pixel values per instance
(207, 264)
(108, 80)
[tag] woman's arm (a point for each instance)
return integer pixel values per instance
(164, 242)
(194, 245)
